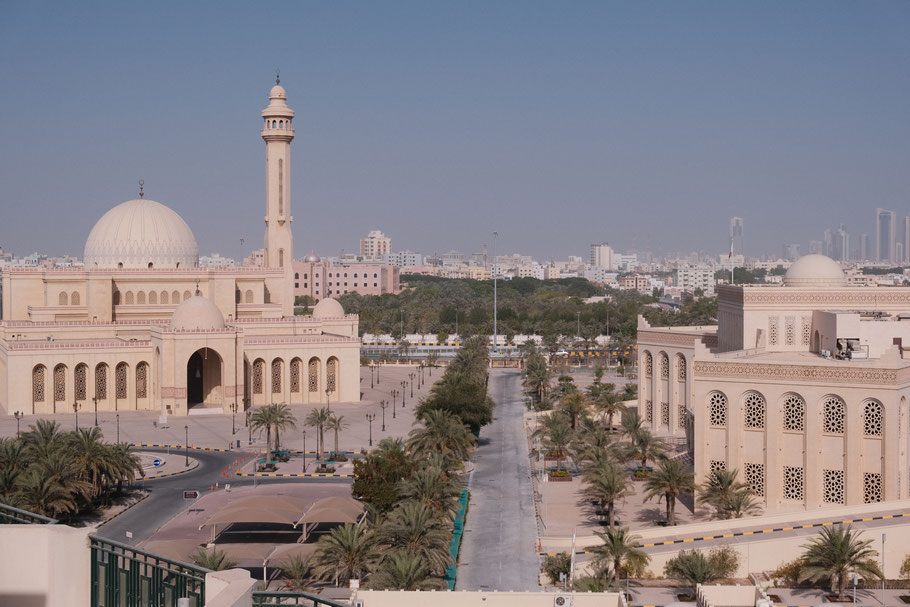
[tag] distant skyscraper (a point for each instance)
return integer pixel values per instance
(863, 247)
(885, 230)
(736, 232)
(791, 252)
(815, 247)
(828, 240)
(906, 256)
(841, 245)
(898, 252)
(602, 256)
(375, 245)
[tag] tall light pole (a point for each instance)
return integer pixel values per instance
(304, 451)
(76, 407)
(118, 428)
(95, 398)
(370, 418)
(411, 375)
(404, 392)
(495, 317)
(383, 405)
(233, 413)
(327, 403)
(394, 395)
(18, 415)
(372, 374)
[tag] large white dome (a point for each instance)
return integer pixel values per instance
(197, 314)
(328, 308)
(815, 271)
(141, 234)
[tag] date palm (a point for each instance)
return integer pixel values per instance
(609, 404)
(729, 497)
(441, 431)
(282, 418)
(671, 479)
(574, 406)
(336, 424)
(85, 446)
(620, 551)
(606, 483)
(432, 488)
(644, 447)
(262, 419)
(214, 559)
(347, 552)
(693, 568)
(404, 571)
(45, 494)
(296, 572)
(319, 419)
(557, 435)
(415, 529)
(835, 554)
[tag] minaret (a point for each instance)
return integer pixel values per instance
(278, 132)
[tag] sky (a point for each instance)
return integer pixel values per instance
(558, 124)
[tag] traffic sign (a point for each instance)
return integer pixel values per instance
(190, 495)
(156, 462)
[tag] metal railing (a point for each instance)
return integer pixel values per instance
(265, 598)
(124, 576)
(14, 516)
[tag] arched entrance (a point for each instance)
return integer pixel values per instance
(203, 379)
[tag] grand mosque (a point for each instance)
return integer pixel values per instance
(140, 326)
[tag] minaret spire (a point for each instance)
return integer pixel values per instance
(141, 183)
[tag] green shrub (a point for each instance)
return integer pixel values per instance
(789, 571)
(554, 565)
(905, 567)
(561, 473)
(724, 559)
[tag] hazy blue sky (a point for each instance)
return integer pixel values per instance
(644, 124)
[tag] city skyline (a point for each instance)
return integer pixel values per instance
(411, 117)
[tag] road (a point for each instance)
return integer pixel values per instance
(498, 551)
(165, 498)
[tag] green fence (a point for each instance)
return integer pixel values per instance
(124, 576)
(455, 544)
(14, 516)
(267, 599)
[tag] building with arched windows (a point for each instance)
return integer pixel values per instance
(140, 326)
(801, 387)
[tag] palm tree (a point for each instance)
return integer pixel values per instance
(336, 423)
(296, 572)
(13, 463)
(630, 392)
(445, 461)
(347, 552)
(557, 435)
(432, 488)
(414, 528)
(606, 484)
(390, 444)
(87, 448)
(404, 571)
(216, 560)
(319, 419)
(631, 423)
(43, 493)
(282, 418)
(42, 438)
(835, 554)
(442, 431)
(644, 447)
(619, 551)
(693, 568)
(126, 465)
(574, 406)
(672, 478)
(729, 497)
(262, 419)
(609, 404)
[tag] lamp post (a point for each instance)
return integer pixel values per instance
(495, 326)
(18, 415)
(76, 407)
(411, 376)
(378, 365)
(370, 418)
(249, 427)
(186, 446)
(404, 392)
(372, 374)
(118, 428)
(394, 394)
(95, 399)
(327, 403)
(383, 405)
(233, 413)
(304, 451)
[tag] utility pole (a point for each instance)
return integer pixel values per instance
(383, 405)
(495, 318)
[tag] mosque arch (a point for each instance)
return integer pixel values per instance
(163, 297)
(101, 381)
(142, 380)
(140, 298)
(128, 299)
(80, 379)
(203, 378)
(62, 299)
(331, 375)
(248, 296)
(153, 297)
(258, 373)
(277, 365)
(175, 297)
(74, 298)
(59, 385)
(313, 376)
(121, 383)
(186, 295)
(39, 378)
(296, 366)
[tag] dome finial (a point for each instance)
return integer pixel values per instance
(277, 76)
(197, 289)
(141, 183)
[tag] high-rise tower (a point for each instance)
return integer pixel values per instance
(278, 132)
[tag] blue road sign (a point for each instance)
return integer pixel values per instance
(156, 462)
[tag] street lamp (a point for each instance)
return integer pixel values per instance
(118, 428)
(327, 403)
(249, 427)
(370, 418)
(186, 446)
(378, 365)
(404, 392)
(372, 374)
(383, 405)
(411, 375)
(233, 413)
(495, 236)
(76, 407)
(18, 415)
(394, 394)
(95, 398)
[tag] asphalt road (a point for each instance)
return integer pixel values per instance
(165, 498)
(498, 551)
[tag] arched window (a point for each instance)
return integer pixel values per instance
(164, 297)
(63, 299)
(142, 378)
(120, 379)
(140, 298)
(295, 375)
(276, 376)
(129, 300)
(79, 381)
(101, 381)
(754, 411)
(186, 295)
(175, 297)
(248, 296)
(151, 265)
(680, 367)
(717, 409)
(331, 374)
(153, 297)
(281, 124)
(60, 383)
(38, 374)
(313, 375)
(280, 258)
(664, 366)
(834, 411)
(873, 418)
(794, 413)
(258, 371)
(649, 364)
(74, 298)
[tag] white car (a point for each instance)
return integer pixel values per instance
(561, 353)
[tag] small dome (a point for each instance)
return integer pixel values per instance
(197, 313)
(312, 258)
(815, 271)
(328, 308)
(141, 233)
(278, 92)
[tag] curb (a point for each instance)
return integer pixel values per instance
(180, 447)
(113, 516)
(184, 471)
(295, 475)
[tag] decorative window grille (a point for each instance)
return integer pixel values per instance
(153, 297)
(186, 295)
(683, 415)
(276, 376)
(120, 380)
(834, 414)
(175, 297)
(62, 298)
(295, 375)
(790, 330)
(665, 414)
(664, 366)
(833, 487)
(74, 298)
(128, 300)
(140, 297)
(794, 483)
(164, 298)
(807, 329)
(142, 374)
(715, 466)
(873, 487)
(649, 410)
(258, 369)
(649, 364)
(79, 380)
(794, 413)
(873, 418)
(59, 383)
(754, 411)
(249, 296)
(313, 375)
(331, 374)
(680, 367)
(755, 478)
(772, 330)
(38, 384)
(717, 409)
(101, 381)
